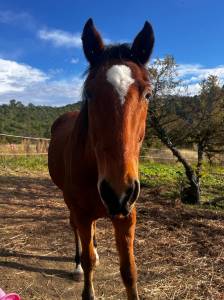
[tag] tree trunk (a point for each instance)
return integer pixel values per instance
(191, 194)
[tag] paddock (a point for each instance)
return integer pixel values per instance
(179, 250)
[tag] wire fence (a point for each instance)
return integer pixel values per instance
(17, 145)
(165, 155)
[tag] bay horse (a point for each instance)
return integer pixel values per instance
(93, 154)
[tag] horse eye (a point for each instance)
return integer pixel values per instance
(148, 96)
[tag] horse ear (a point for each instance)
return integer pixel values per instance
(143, 44)
(92, 42)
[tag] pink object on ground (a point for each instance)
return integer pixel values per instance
(11, 296)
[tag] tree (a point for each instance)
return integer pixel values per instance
(30, 120)
(208, 116)
(163, 77)
(197, 121)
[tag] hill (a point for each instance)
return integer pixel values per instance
(30, 120)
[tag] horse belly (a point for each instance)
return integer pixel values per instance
(61, 131)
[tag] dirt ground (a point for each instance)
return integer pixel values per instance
(179, 251)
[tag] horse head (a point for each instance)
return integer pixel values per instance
(118, 91)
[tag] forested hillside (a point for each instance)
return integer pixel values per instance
(36, 121)
(30, 120)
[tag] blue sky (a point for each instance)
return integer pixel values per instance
(41, 59)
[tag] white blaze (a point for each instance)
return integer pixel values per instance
(120, 77)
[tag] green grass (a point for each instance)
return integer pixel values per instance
(163, 176)
(169, 176)
(24, 164)
(152, 174)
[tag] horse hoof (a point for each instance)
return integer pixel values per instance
(87, 296)
(77, 277)
(78, 274)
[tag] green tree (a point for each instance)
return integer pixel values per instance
(175, 121)
(207, 128)
(31, 120)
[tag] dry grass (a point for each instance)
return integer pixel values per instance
(165, 155)
(25, 147)
(179, 251)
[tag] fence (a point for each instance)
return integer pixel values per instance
(165, 155)
(16, 145)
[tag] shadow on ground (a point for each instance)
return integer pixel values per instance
(179, 250)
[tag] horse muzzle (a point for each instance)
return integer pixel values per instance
(118, 205)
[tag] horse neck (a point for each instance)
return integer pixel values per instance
(82, 143)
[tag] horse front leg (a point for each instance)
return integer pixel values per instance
(78, 272)
(95, 244)
(88, 257)
(124, 234)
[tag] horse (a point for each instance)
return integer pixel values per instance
(93, 154)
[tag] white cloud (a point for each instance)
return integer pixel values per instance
(61, 38)
(188, 69)
(74, 60)
(189, 89)
(53, 92)
(192, 74)
(27, 84)
(16, 77)
(8, 16)
(23, 19)
(199, 72)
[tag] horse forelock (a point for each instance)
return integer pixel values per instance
(121, 53)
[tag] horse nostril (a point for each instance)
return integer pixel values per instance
(132, 192)
(106, 192)
(110, 198)
(136, 189)
(118, 204)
